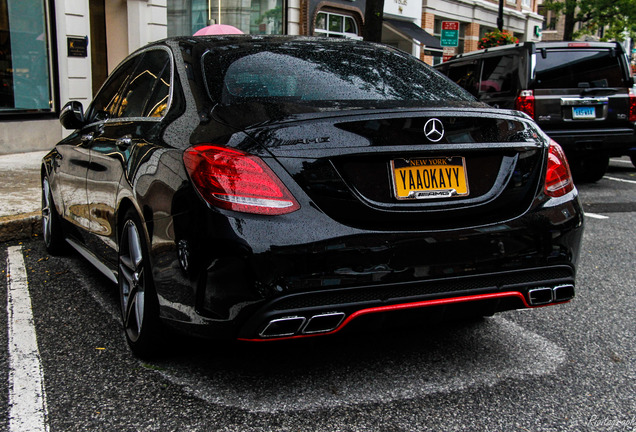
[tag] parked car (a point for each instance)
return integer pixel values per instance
(580, 93)
(263, 188)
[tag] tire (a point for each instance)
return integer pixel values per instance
(138, 300)
(52, 233)
(589, 169)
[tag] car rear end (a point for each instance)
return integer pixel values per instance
(376, 206)
(581, 94)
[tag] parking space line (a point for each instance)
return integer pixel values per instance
(626, 162)
(595, 216)
(619, 180)
(27, 398)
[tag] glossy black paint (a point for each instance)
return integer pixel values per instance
(220, 273)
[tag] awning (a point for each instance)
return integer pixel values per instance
(410, 30)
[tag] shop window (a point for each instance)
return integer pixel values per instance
(186, 17)
(25, 64)
(335, 25)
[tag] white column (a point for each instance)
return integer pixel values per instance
(74, 72)
(147, 22)
(293, 17)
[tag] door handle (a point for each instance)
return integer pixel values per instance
(124, 142)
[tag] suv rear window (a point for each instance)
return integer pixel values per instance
(578, 68)
(328, 73)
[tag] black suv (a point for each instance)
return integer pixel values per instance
(579, 93)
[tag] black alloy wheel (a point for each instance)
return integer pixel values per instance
(51, 223)
(139, 305)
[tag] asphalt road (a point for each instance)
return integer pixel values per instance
(564, 368)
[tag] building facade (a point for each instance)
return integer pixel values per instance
(478, 17)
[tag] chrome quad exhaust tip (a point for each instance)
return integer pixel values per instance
(546, 295)
(294, 325)
(324, 323)
(282, 327)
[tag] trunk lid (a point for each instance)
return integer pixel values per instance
(462, 167)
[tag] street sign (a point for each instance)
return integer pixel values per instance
(450, 33)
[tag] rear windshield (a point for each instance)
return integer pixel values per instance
(323, 73)
(578, 68)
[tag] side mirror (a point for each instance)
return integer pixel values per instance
(72, 115)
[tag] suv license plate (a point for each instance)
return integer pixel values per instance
(583, 113)
(426, 178)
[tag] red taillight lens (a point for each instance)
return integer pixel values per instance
(632, 105)
(558, 178)
(525, 102)
(234, 180)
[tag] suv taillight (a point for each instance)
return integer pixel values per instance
(525, 102)
(234, 180)
(558, 178)
(632, 105)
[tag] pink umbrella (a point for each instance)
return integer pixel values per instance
(218, 29)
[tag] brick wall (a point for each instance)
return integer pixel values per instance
(471, 37)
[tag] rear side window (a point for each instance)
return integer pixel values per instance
(107, 100)
(148, 89)
(499, 74)
(578, 68)
(466, 75)
(325, 73)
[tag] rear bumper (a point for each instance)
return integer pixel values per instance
(310, 314)
(613, 141)
(246, 275)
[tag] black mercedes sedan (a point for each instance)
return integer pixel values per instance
(263, 188)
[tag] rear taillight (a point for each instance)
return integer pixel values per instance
(234, 180)
(525, 102)
(632, 105)
(558, 178)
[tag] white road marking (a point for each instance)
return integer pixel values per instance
(626, 162)
(27, 399)
(595, 216)
(619, 180)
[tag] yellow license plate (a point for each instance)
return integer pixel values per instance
(426, 178)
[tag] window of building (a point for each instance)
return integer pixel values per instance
(549, 23)
(186, 17)
(335, 25)
(25, 63)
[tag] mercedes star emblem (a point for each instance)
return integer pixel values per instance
(434, 130)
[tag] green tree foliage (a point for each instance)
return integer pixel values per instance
(616, 17)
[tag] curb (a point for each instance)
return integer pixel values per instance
(20, 227)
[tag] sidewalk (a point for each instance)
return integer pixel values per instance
(20, 194)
